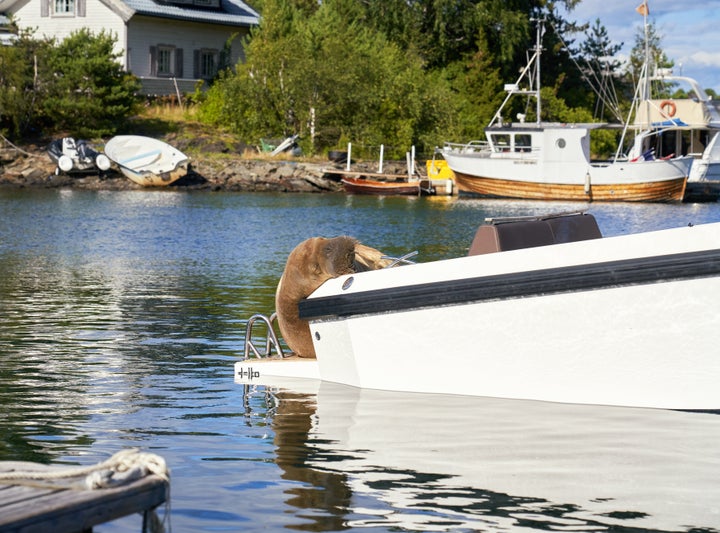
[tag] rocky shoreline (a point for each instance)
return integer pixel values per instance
(30, 167)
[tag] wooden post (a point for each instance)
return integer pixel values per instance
(382, 151)
(349, 156)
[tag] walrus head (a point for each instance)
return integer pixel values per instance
(309, 265)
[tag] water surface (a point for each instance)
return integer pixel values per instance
(123, 313)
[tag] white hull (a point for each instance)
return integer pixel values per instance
(147, 161)
(625, 341)
(558, 167)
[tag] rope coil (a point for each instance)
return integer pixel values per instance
(123, 467)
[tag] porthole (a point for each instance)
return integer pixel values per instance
(560, 143)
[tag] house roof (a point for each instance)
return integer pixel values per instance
(232, 12)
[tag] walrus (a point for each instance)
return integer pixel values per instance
(309, 265)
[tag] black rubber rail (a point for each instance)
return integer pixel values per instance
(524, 284)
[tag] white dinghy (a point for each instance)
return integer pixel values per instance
(147, 161)
(534, 313)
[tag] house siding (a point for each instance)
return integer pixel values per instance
(140, 34)
(98, 17)
(147, 32)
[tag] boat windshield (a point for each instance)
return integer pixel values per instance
(510, 142)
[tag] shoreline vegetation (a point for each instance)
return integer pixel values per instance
(218, 162)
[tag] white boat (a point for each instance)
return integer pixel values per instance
(683, 126)
(436, 462)
(146, 161)
(551, 161)
(629, 320)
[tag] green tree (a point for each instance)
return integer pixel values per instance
(20, 95)
(328, 76)
(603, 72)
(85, 89)
(648, 51)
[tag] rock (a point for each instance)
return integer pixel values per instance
(220, 167)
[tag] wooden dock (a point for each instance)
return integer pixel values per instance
(41, 498)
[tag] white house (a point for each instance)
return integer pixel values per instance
(168, 44)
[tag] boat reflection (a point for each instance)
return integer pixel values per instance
(370, 458)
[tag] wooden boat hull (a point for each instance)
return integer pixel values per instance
(353, 185)
(147, 161)
(658, 191)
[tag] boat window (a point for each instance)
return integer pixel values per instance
(501, 142)
(560, 143)
(523, 142)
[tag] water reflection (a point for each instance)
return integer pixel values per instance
(439, 463)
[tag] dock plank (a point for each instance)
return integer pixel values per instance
(68, 507)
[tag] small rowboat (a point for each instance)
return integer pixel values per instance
(360, 185)
(147, 161)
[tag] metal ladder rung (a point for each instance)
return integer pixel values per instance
(270, 340)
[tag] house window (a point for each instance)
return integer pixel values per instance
(165, 61)
(208, 63)
(64, 7)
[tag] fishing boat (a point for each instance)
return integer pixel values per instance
(76, 157)
(551, 161)
(399, 186)
(541, 309)
(146, 161)
(683, 126)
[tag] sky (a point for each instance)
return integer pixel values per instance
(689, 31)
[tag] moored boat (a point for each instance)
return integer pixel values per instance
(146, 161)
(76, 157)
(683, 126)
(551, 161)
(542, 309)
(400, 186)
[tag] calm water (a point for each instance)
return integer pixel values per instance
(123, 313)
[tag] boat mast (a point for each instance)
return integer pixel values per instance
(534, 84)
(539, 27)
(642, 90)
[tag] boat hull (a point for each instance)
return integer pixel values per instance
(657, 191)
(626, 321)
(155, 179)
(147, 161)
(375, 187)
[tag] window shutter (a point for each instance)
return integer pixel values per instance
(44, 8)
(153, 60)
(196, 64)
(179, 63)
(80, 8)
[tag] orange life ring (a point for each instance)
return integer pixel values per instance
(670, 107)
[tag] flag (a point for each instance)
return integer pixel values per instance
(643, 9)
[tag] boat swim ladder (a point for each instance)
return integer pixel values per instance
(270, 339)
